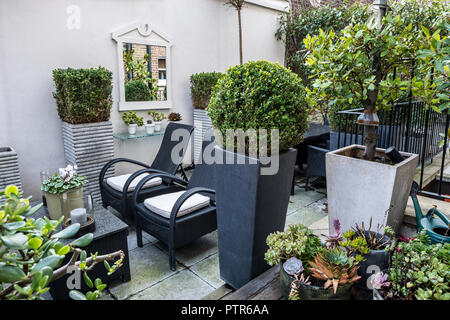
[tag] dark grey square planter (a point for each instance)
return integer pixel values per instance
(250, 206)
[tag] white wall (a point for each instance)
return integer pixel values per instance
(34, 40)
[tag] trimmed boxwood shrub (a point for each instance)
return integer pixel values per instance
(83, 95)
(261, 95)
(201, 86)
(137, 90)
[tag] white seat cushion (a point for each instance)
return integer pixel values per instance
(118, 182)
(163, 204)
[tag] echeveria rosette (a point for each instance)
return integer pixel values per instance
(66, 179)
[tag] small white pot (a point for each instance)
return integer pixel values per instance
(157, 125)
(150, 128)
(132, 128)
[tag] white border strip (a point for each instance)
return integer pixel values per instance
(275, 5)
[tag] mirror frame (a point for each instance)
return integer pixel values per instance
(145, 30)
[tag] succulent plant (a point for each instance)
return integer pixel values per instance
(334, 267)
(293, 266)
(157, 116)
(380, 280)
(132, 118)
(297, 241)
(174, 116)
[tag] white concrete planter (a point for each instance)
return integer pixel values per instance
(359, 189)
(9, 168)
(90, 146)
(132, 128)
(150, 128)
(157, 126)
(202, 123)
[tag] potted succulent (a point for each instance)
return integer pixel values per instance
(289, 249)
(157, 118)
(419, 270)
(63, 185)
(84, 101)
(259, 102)
(201, 88)
(374, 248)
(150, 127)
(333, 273)
(132, 120)
(174, 116)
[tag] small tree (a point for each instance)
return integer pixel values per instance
(238, 4)
(356, 66)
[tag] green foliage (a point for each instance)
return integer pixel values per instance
(201, 87)
(31, 253)
(83, 95)
(157, 116)
(345, 73)
(132, 118)
(260, 95)
(294, 27)
(137, 90)
(174, 116)
(62, 181)
(296, 242)
(420, 270)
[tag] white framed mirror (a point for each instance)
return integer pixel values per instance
(143, 55)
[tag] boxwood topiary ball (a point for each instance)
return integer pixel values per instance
(261, 95)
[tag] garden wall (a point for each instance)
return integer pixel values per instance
(39, 36)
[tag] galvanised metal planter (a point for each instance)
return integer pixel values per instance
(90, 146)
(9, 168)
(250, 206)
(359, 190)
(202, 123)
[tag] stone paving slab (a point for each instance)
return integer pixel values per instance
(184, 285)
(208, 270)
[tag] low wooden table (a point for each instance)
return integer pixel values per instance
(110, 235)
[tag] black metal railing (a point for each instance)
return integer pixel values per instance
(408, 126)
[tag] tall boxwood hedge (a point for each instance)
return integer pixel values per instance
(83, 95)
(137, 90)
(261, 95)
(201, 86)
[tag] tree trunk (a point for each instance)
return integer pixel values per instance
(240, 36)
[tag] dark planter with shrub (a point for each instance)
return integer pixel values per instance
(285, 281)
(251, 203)
(250, 206)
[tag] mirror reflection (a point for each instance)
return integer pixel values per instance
(145, 72)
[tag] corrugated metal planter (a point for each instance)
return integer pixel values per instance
(9, 168)
(202, 123)
(90, 146)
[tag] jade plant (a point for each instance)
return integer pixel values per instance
(63, 180)
(157, 116)
(296, 242)
(132, 118)
(419, 270)
(32, 254)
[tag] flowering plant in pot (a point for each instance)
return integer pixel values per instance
(132, 120)
(289, 249)
(63, 185)
(157, 118)
(419, 270)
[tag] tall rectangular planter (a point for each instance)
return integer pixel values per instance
(358, 189)
(250, 206)
(90, 146)
(202, 123)
(9, 168)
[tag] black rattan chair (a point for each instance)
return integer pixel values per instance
(173, 230)
(121, 200)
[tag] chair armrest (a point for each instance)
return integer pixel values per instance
(113, 161)
(143, 181)
(183, 198)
